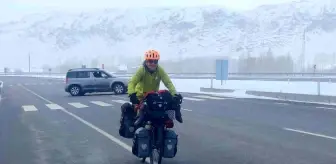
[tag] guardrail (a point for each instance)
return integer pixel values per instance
(325, 77)
(280, 74)
(194, 74)
(1, 89)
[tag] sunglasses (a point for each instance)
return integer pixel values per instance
(152, 61)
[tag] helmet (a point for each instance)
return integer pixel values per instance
(152, 55)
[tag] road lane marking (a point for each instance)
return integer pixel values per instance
(120, 101)
(281, 103)
(321, 107)
(193, 99)
(186, 109)
(107, 135)
(210, 97)
(29, 108)
(78, 105)
(310, 133)
(54, 106)
(100, 103)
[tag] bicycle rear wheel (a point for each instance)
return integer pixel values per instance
(143, 160)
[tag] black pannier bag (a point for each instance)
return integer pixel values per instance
(170, 144)
(127, 119)
(141, 143)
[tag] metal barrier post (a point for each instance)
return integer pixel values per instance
(211, 85)
(1, 89)
(318, 87)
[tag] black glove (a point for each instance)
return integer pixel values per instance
(134, 99)
(178, 98)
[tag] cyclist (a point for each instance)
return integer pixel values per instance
(148, 77)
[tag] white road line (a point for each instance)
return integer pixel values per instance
(112, 138)
(29, 108)
(321, 107)
(187, 109)
(53, 106)
(120, 101)
(78, 105)
(100, 103)
(282, 103)
(193, 99)
(210, 97)
(313, 134)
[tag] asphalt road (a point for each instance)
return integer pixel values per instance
(41, 124)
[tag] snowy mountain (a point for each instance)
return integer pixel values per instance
(177, 32)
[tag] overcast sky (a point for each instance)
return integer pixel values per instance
(10, 9)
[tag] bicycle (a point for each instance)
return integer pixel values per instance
(155, 119)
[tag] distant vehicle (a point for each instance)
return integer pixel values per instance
(88, 80)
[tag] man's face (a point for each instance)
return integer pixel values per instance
(152, 64)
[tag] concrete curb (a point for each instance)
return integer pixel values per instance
(295, 96)
(292, 97)
(202, 89)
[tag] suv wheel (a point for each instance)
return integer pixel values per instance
(75, 90)
(118, 88)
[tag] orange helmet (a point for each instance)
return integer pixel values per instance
(152, 55)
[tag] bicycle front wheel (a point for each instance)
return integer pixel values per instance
(156, 157)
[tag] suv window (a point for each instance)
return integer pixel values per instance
(100, 74)
(83, 74)
(71, 75)
(78, 74)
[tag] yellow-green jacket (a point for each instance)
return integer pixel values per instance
(144, 81)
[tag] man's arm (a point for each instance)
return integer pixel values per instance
(166, 81)
(135, 80)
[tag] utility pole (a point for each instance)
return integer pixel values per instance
(29, 61)
(302, 57)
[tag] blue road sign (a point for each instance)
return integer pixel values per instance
(222, 69)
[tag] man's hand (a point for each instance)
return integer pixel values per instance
(178, 98)
(134, 99)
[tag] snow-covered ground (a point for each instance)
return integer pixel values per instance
(241, 86)
(301, 87)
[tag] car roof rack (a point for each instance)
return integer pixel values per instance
(83, 69)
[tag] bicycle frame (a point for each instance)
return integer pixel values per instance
(156, 128)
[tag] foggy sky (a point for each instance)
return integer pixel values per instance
(14, 9)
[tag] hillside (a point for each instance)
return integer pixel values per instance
(119, 35)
